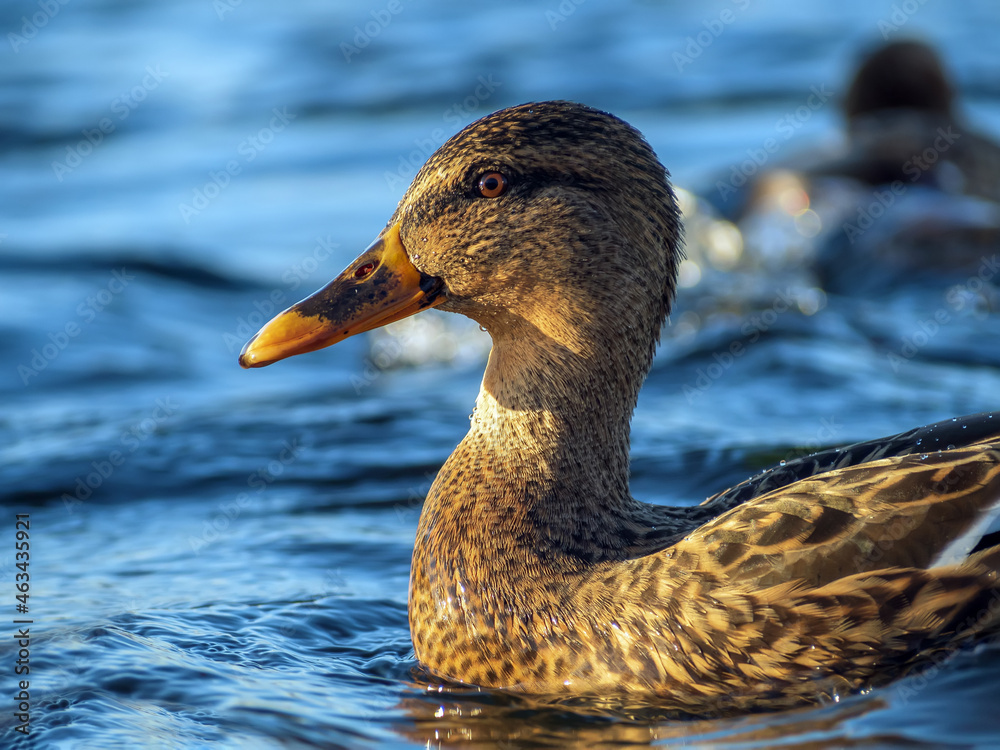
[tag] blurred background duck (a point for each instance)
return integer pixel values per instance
(912, 194)
(930, 201)
(903, 124)
(554, 227)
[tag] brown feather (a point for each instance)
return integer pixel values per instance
(534, 568)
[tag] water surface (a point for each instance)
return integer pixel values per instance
(219, 558)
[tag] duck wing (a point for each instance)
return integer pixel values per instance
(664, 526)
(856, 572)
(950, 433)
(916, 511)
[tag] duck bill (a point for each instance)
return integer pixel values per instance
(381, 286)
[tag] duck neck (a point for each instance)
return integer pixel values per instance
(568, 410)
(542, 477)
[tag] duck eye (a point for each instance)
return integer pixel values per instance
(364, 270)
(492, 185)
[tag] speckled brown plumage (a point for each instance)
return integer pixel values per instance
(534, 569)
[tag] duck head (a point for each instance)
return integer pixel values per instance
(902, 75)
(547, 222)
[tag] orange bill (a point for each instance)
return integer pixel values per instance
(381, 286)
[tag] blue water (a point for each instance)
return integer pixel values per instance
(219, 558)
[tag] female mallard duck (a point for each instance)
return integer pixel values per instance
(553, 225)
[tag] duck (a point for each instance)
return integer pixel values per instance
(911, 193)
(555, 227)
(928, 211)
(903, 123)
(936, 178)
